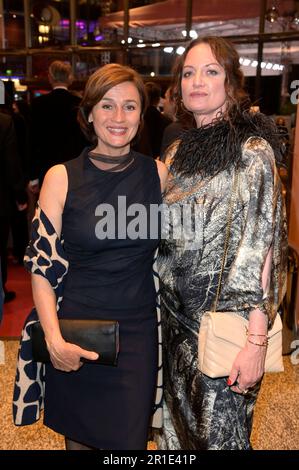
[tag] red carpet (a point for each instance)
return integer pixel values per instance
(17, 310)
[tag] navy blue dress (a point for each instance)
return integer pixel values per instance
(102, 406)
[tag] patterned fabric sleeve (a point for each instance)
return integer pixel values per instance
(263, 227)
(157, 418)
(44, 256)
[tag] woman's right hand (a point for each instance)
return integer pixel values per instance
(67, 356)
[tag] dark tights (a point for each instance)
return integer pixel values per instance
(73, 445)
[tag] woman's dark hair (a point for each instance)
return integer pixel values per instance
(227, 56)
(98, 84)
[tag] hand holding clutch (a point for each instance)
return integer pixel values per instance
(100, 336)
(67, 357)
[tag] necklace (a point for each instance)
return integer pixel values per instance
(119, 162)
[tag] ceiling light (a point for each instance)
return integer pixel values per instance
(192, 34)
(180, 50)
(272, 14)
(295, 20)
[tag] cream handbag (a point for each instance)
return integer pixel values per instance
(222, 335)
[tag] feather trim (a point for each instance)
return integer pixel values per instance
(216, 147)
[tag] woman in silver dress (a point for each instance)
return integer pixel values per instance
(200, 412)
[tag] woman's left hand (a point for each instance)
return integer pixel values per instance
(248, 368)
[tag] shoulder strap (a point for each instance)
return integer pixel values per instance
(227, 234)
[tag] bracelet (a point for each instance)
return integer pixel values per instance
(263, 345)
(253, 334)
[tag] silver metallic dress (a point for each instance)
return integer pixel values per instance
(203, 413)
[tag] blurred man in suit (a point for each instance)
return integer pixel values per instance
(12, 189)
(56, 136)
(155, 121)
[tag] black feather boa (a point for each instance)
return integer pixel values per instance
(216, 147)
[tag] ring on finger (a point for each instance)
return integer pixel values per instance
(243, 392)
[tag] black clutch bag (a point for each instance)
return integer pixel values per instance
(100, 336)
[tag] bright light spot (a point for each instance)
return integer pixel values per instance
(192, 33)
(180, 50)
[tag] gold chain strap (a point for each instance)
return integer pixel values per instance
(227, 235)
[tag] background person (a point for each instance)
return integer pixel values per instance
(12, 190)
(155, 121)
(56, 136)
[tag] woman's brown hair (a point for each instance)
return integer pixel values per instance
(227, 56)
(98, 84)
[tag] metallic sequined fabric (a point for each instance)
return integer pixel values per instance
(203, 413)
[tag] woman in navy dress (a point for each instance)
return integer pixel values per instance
(92, 202)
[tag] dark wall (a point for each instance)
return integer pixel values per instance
(269, 102)
(14, 32)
